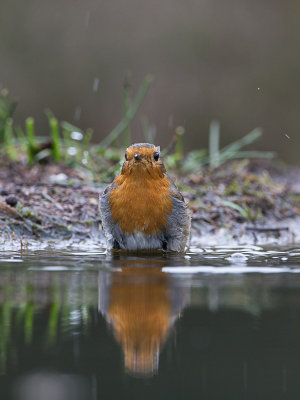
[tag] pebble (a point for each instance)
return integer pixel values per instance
(11, 200)
(4, 192)
(58, 178)
(237, 258)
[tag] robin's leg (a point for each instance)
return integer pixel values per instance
(116, 245)
(164, 245)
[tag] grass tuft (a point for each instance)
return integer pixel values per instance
(71, 145)
(7, 110)
(54, 128)
(131, 112)
(31, 143)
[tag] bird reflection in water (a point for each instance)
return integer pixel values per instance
(141, 303)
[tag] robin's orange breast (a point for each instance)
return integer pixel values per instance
(141, 204)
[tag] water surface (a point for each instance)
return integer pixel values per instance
(216, 323)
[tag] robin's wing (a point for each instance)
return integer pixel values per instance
(175, 192)
(109, 187)
(109, 227)
(179, 221)
(104, 197)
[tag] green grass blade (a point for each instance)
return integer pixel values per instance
(214, 148)
(49, 113)
(10, 140)
(126, 107)
(53, 322)
(255, 154)
(31, 148)
(228, 151)
(116, 132)
(147, 131)
(179, 145)
(69, 127)
(8, 133)
(236, 207)
(7, 110)
(56, 153)
(29, 319)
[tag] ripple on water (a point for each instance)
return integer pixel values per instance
(229, 270)
(81, 258)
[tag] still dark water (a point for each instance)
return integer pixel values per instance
(213, 324)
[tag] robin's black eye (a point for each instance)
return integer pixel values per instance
(156, 156)
(126, 156)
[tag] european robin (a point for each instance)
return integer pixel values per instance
(142, 208)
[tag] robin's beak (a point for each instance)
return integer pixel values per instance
(140, 161)
(138, 157)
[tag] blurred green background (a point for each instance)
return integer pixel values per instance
(236, 61)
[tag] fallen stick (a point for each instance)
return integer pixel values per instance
(266, 229)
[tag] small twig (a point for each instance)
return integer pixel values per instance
(47, 197)
(57, 205)
(266, 229)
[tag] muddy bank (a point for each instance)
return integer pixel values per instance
(240, 203)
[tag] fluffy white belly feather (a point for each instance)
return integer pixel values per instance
(139, 241)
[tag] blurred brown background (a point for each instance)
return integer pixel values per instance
(237, 61)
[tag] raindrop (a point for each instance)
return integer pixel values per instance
(287, 136)
(75, 317)
(72, 151)
(77, 113)
(96, 84)
(258, 89)
(76, 135)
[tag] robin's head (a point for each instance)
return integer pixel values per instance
(143, 158)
